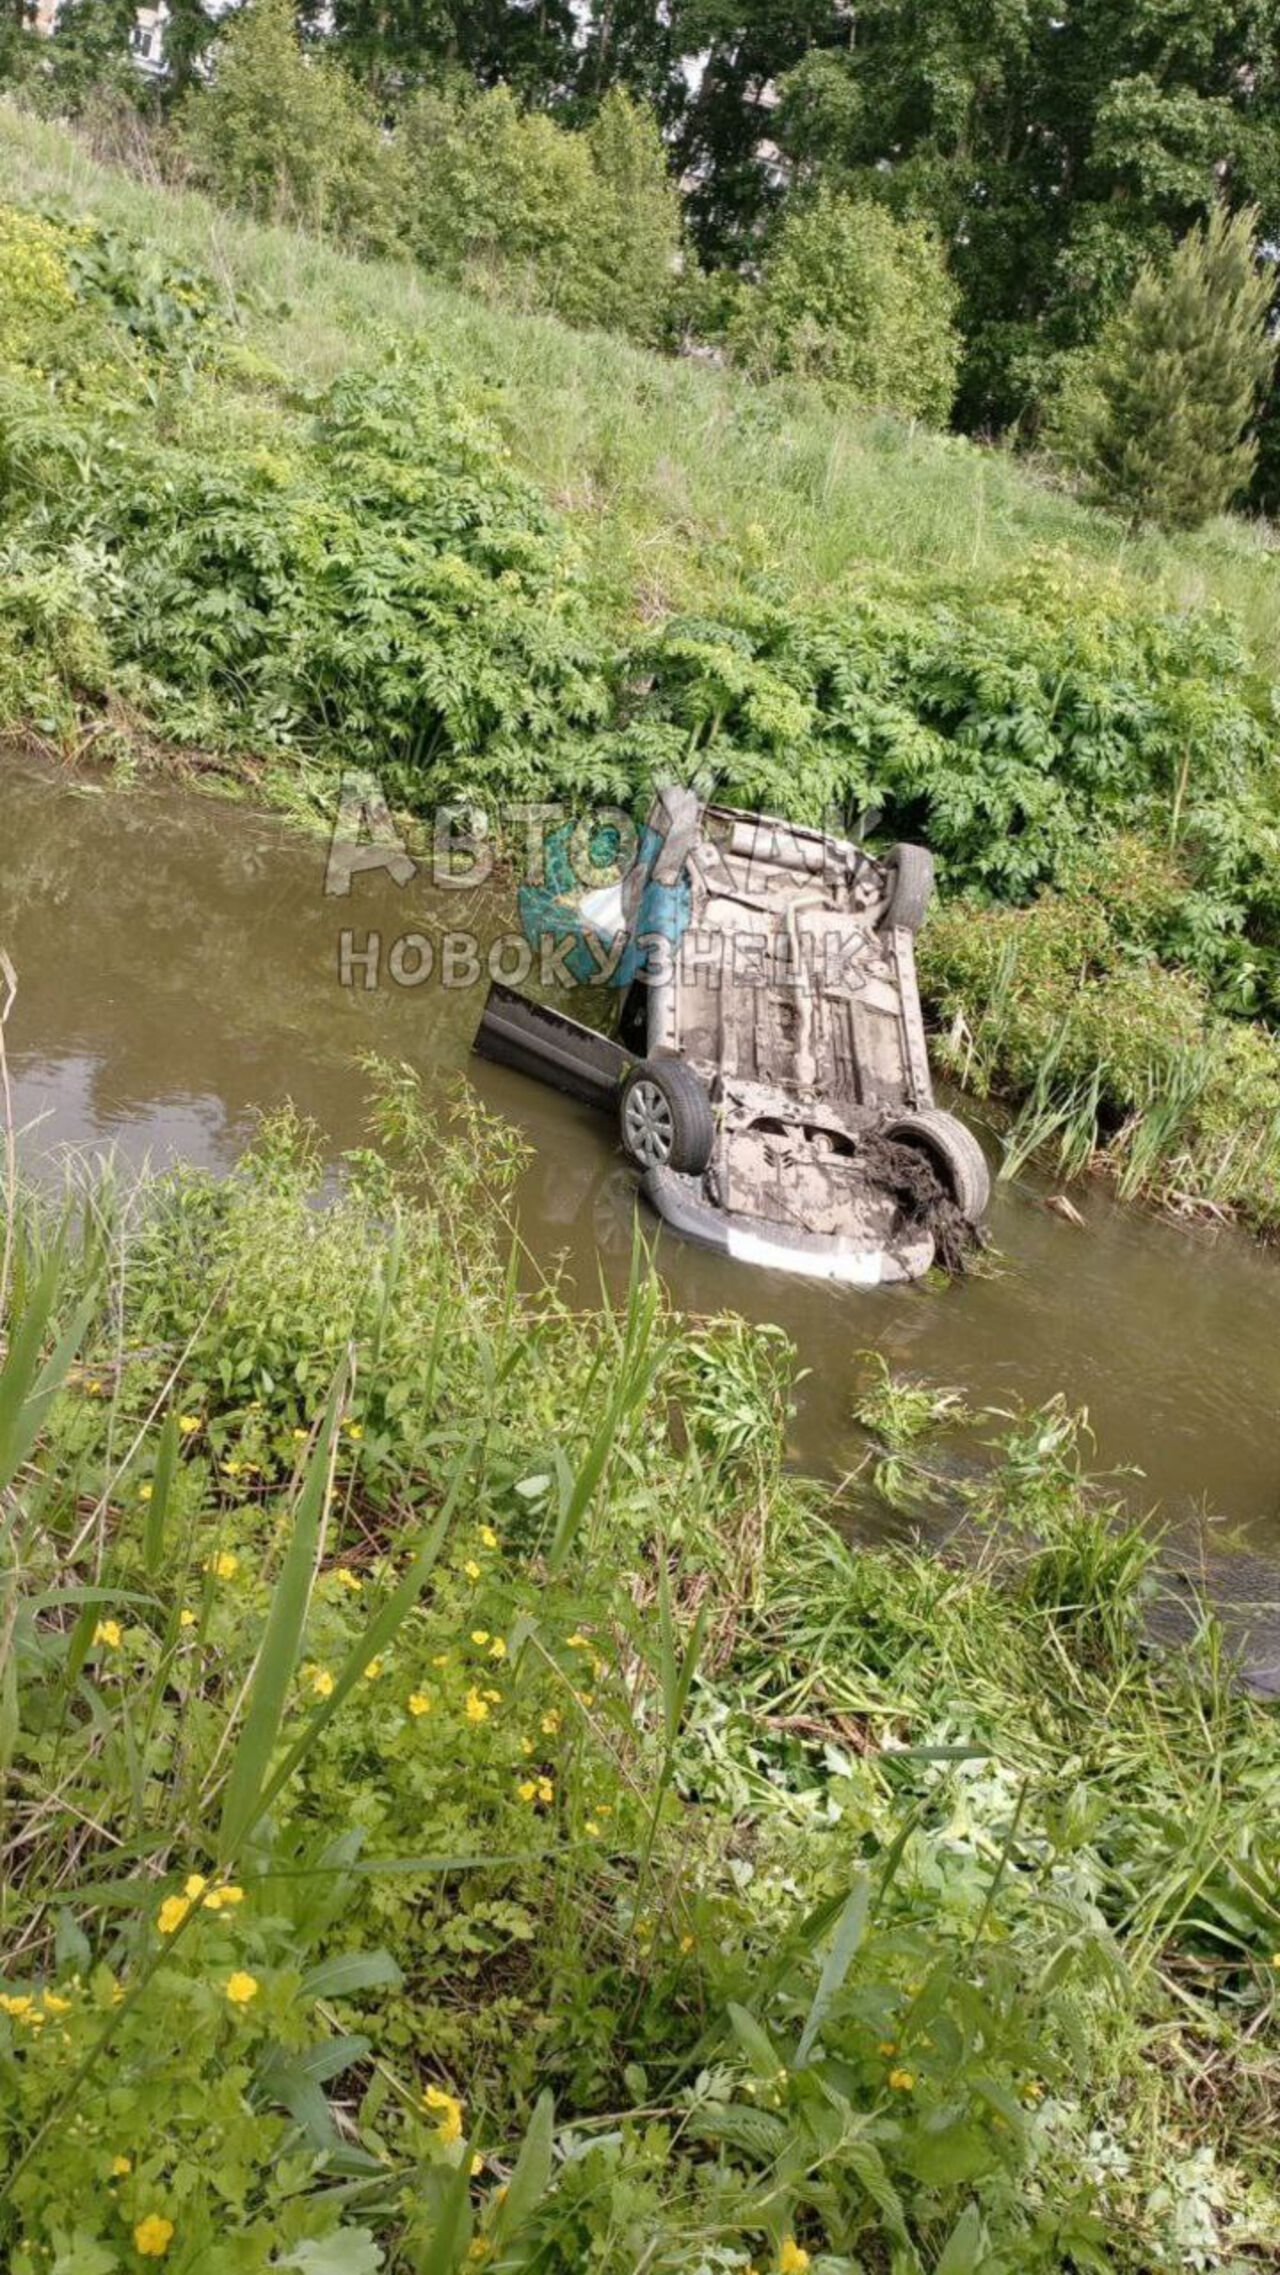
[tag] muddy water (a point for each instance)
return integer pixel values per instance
(179, 971)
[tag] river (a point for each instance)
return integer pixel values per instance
(179, 971)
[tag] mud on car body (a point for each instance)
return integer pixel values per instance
(769, 1073)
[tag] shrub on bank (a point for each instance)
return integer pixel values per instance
(1112, 1055)
(289, 137)
(859, 301)
(586, 224)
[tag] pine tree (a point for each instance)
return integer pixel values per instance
(1178, 377)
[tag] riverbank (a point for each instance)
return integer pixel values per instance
(485, 557)
(574, 1783)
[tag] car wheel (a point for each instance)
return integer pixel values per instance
(954, 1152)
(665, 1117)
(910, 870)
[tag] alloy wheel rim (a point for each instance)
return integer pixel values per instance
(648, 1125)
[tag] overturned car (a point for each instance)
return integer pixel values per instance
(769, 1073)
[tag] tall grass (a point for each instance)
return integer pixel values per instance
(682, 481)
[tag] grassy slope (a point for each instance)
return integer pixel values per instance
(678, 478)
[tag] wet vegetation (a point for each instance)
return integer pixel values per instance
(291, 512)
(466, 1806)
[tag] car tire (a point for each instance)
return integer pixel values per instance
(910, 870)
(954, 1152)
(664, 1115)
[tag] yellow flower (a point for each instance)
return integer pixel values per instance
(686, 1943)
(792, 2258)
(577, 1643)
(121, 2167)
(188, 1424)
(546, 1791)
(321, 1682)
(901, 2080)
(195, 1886)
(373, 1670)
(477, 2164)
(449, 2128)
(348, 1579)
(186, 1618)
(550, 1724)
(144, 1492)
(224, 1565)
(171, 1915)
(488, 1536)
(301, 1434)
(527, 1746)
(224, 1899)
(15, 2003)
(419, 1703)
(887, 2046)
(592, 1829)
(497, 1649)
(153, 2236)
(110, 1633)
(476, 1708)
(441, 1659)
(241, 1987)
(94, 1389)
(54, 2003)
(494, 1697)
(480, 1636)
(528, 1790)
(354, 1431)
(471, 1568)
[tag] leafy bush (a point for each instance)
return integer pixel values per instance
(994, 727)
(584, 224)
(861, 302)
(287, 135)
(1161, 414)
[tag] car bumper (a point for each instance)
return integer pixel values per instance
(680, 1202)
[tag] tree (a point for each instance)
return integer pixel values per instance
(738, 50)
(288, 136)
(1166, 428)
(632, 238)
(1056, 150)
(859, 301)
(586, 224)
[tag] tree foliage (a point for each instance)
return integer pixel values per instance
(1057, 151)
(287, 134)
(859, 301)
(586, 224)
(1166, 419)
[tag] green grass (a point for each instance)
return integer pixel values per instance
(680, 479)
(575, 1785)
